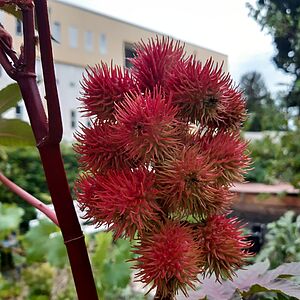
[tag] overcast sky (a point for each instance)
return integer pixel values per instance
(220, 25)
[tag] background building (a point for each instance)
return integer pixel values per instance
(85, 38)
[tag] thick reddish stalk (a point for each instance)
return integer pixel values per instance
(66, 215)
(54, 116)
(60, 193)
(49, 149)
(48, 132)
(29, 198)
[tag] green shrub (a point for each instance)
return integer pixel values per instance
(39, 279)
(282, 241)
(276, 159)
(23, 166)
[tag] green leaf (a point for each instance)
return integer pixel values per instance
(291, 269)
(116, 275)
(9, 97)
(103, 244)
(10, 218)
(15, 132)
(57, 253)
(121, 252)
(282, 286)
(36, 241)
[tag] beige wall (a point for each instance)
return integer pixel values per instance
(117, 33)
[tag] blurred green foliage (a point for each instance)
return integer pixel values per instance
(10, 216)
(13, 132)
(276, 159)
(282, 241)
(23, 167)
(280, 18)
(39, 279)
(9, 290)
(44, 243)
(264, 111)
(44, 264)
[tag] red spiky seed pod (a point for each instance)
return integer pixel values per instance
(205, 95)
(124, 200)
(223, 246)
(148, 128)
(187, 183)
(169, 259)
(85, 187)
(154, 62)
(103, 87)
(98, 150)
(228, 152)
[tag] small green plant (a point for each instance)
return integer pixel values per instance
(9, 289)
(282, 241)
(46, 275)
(265, 155)
(39, 279)
(276, 159)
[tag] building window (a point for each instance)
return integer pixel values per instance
(56, 31)
(102, 43)
(88, 40)
(129, 53)
(73, 119)
(19, 27)
(18, 111)
(73, 37)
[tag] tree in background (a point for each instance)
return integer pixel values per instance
(264, 112)
(281, 19)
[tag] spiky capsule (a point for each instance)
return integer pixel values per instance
(103, 87)
(98, 149)
(155, 61)
(124, 200)
(148, 128)
(187, 183)
(223, 247)
(205, 95)
(228, 153)
(168, 259)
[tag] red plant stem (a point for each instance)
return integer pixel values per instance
(29, 48)
(29, 198)
(33, 103)
(66, 215)
(54, 117)
(60, 194)
(48, 133)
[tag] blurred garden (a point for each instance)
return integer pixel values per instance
(33, 260)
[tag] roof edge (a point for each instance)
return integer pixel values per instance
(78, 6)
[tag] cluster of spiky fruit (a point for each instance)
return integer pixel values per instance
(160, 156)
